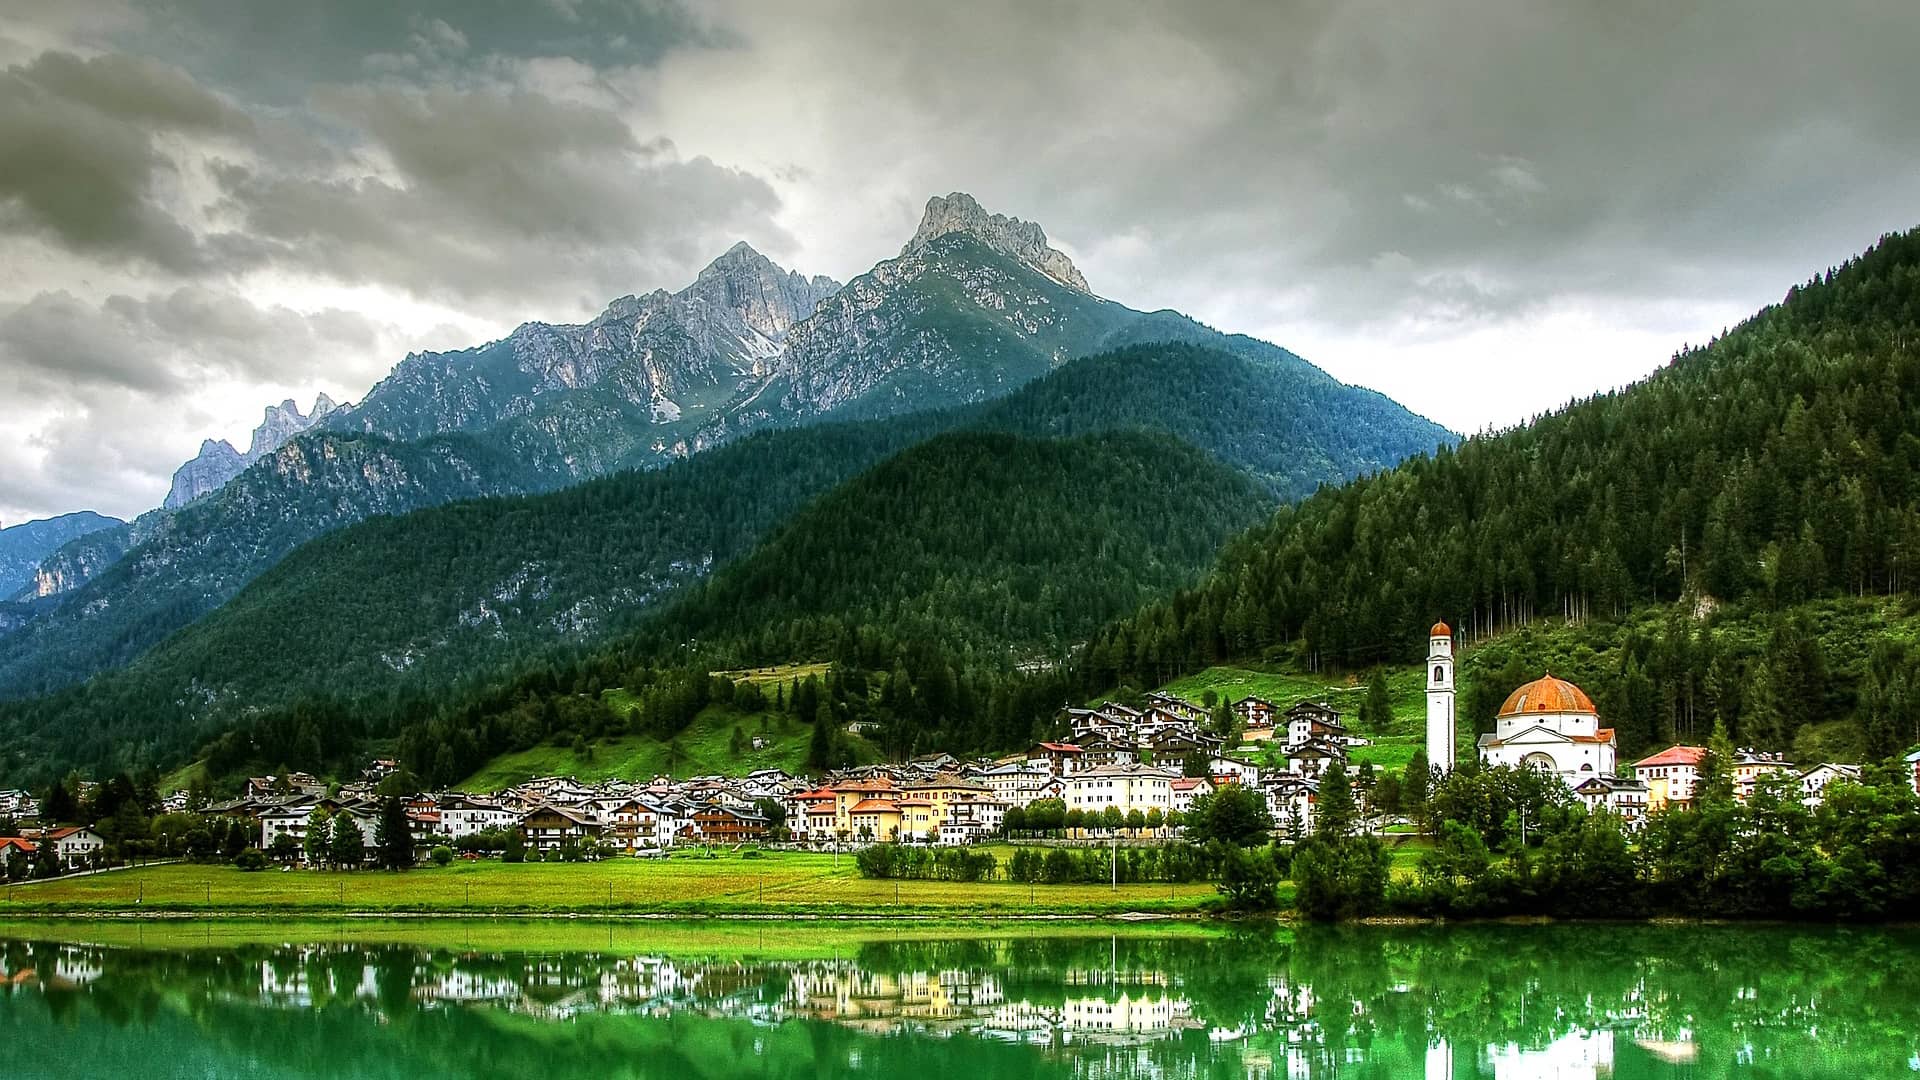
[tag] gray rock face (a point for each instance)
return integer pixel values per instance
(207, 472)
(1023, 240)
(218, 462)
(23, 547)
(78, 561)
(632, 386)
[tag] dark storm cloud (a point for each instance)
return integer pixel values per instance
(494, 194)
(81, 165)
(1371, 177)
(113, 382)
(281, 50)
(55, 344)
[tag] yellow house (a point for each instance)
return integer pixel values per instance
(875, 819)
(851, 793)
(918, 817)
(943, 791)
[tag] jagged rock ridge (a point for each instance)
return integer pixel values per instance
(218, 462)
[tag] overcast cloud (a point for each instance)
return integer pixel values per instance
(1482, 209)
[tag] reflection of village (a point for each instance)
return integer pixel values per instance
(1069, 1010)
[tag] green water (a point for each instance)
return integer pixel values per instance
(1560, 1002)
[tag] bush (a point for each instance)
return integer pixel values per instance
(1250, 879)
(1340, 877)
(441, 855)
(250, 859)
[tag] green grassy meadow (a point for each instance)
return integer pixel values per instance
(760, 939)
(777, 883)
(1406, 686)
(706, 746)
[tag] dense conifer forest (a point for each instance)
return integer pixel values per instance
(1732, 540)
(445, 602)
(1777, 465)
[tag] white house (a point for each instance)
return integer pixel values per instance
(1290, 800)
(1015, 783)
(466, 815)
(1623, 797)
(1243, 772)
(1127, 787)
(287, 819)
(74, 844)
(1813, 782)
(1187, 789)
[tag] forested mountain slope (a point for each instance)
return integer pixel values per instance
(974, 307)
(1777, 464)
(979, 541)
(196, 557)
(418, 603)
(24, 546)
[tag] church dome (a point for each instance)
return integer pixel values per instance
(1546, 695)
(1440, 629)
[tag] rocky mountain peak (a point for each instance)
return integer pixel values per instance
(218, 462)
(766, 297)
(1023, 240)
(283, 421)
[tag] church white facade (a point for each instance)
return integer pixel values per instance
(1551, 724)
(1442, 730)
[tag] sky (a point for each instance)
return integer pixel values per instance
(1482, 209)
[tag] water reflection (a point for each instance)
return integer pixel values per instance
(1559, 1002)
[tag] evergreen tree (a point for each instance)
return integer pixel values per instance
(1376, 710)
(347, 846)
(1334, 815)
(1715, 785)
(319, 838)
(820, 753)
(393, 835)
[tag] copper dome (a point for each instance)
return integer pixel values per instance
(1547, 695)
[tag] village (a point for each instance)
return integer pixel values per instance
(1117, 772)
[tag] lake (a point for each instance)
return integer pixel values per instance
(783, 999)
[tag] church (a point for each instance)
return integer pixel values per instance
(1548, 724)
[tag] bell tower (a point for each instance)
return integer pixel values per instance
(1441, 734)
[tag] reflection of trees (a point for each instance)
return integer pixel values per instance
(1354, 1000)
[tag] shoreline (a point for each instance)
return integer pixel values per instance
(371, 915)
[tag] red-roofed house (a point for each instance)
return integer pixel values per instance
(73, 843)
(1670, 776)
(1057, 759)
(1188, 788)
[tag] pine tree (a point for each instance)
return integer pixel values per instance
(318, 841)
(393, 835)
(1334, 814)
(1376, 710)
(348, 845)
(1716, 769)
(820, 745)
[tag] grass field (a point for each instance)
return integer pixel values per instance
(781, 882)
(778, 673)
(1406, 686)
(706, 746)
(764, 939)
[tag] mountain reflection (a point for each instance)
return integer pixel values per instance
(1563, 1002)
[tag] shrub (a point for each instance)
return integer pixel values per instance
(250, 859)
(442, 855)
